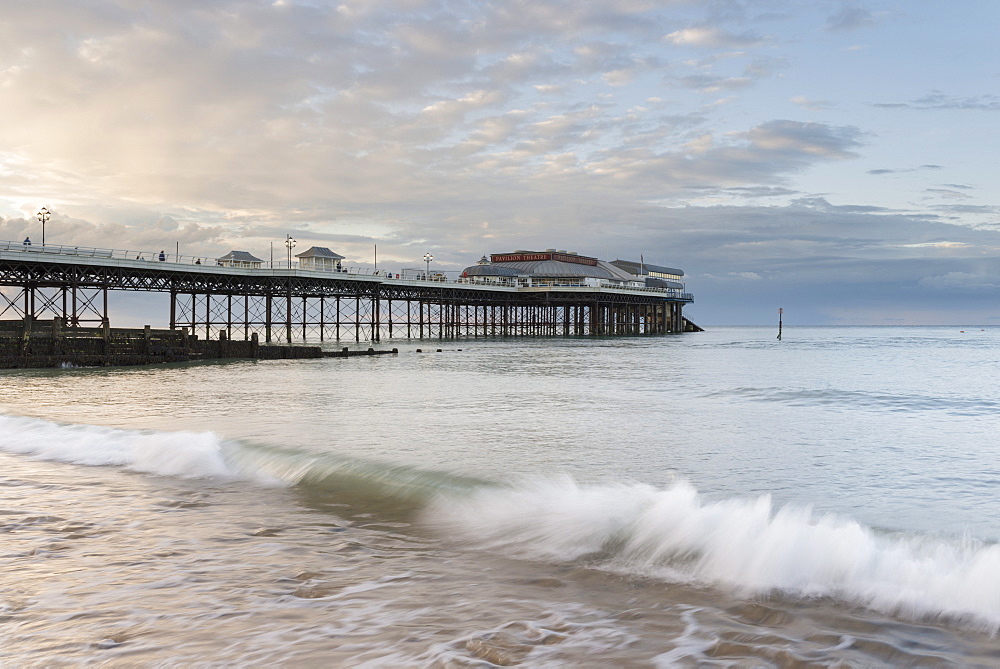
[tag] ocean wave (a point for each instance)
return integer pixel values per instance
(183, 454)
(864, 400)
(745, 545)
(350, 476)
(189, 454)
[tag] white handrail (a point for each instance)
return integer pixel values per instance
(405, 275)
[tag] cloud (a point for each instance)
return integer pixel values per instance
(812, 105)
(704, 77)
(963, 281)
(946, 192)
(735, 277)
(795, 138)
(938, 245)
(263, 107)
(904, 170)
(713, 37)
(356, 109)
(761, 191)
(148, 233)
(707, 83)
(824, 261)
(968, 209)
(939, 100)
(851, 17)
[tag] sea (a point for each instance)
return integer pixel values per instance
(713, 499)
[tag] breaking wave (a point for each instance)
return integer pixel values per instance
(188, 454)
(744, 545)
(184, 454)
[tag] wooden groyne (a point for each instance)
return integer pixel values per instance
(39, 344)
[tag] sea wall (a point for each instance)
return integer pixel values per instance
(51, 344)
(26, 344)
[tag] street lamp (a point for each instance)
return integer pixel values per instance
(289, 244)
(43, 216)
(427, 259)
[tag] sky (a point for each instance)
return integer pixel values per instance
(834, 158)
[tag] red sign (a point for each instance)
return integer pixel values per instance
(537, 257)
(579, 260)
(521, 257)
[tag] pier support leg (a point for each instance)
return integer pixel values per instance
(267, 318)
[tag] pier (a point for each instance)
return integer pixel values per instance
(289, 302)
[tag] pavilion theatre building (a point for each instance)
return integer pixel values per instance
(651, 296)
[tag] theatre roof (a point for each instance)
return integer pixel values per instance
(548, 265)
(556, 269)
(487, 269)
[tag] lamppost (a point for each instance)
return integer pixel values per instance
(43, 216)
(289, 244)
(427, 259)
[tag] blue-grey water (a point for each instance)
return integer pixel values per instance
(711, 499)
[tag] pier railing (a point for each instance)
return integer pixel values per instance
(171, 258)
(407, 274)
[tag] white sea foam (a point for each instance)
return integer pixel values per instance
(185, 454)
(204, 454)
(746, 545)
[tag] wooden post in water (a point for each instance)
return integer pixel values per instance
(780, 312)
(57, 325)
(106, 336)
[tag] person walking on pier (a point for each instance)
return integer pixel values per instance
(163, 256)
(27, 241)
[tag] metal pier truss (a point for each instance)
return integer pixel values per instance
(76, 305)
(282, 304)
